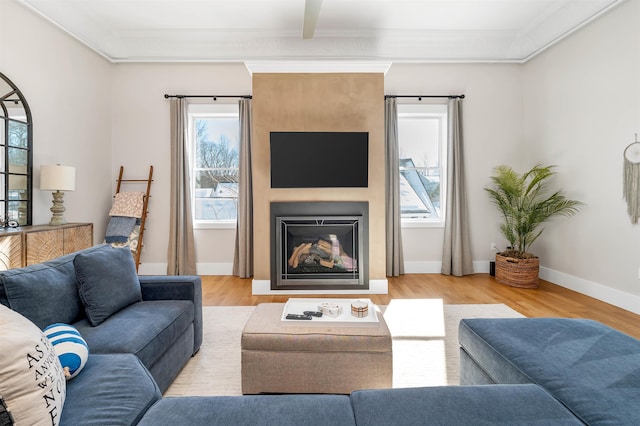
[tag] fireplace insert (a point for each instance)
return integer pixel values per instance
(323, 250)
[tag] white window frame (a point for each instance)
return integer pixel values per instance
(195, 111)
(439, 112)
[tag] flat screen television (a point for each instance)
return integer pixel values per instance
(319, 159)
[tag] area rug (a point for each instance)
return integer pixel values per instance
(425, 345)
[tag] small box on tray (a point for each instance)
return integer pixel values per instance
(332, 310)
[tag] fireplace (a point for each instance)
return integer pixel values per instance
(319, 245)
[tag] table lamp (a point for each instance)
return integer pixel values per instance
(57, 178)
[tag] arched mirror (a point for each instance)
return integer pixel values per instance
(16, 142)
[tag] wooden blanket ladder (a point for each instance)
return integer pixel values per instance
(136, 253)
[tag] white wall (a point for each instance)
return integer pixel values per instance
(492, 132)
(581, 109)
(67, 87)
(141, 135)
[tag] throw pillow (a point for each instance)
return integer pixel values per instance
(45, 292)
(33, 385)
(107, 282)
(71, 348)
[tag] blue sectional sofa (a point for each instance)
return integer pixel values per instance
(136, 350)
(591, 369)
(520, 371)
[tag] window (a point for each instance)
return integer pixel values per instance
(16, 146)
(422, 140)
(214, 136)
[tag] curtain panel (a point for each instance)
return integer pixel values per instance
(243, 255)
(181, 258)
(394, 255)
(456, 255)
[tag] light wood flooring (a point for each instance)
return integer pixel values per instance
(549, 300)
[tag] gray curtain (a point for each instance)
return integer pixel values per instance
(395, 258)
(243, 256)
(456, 254)
(181, 258)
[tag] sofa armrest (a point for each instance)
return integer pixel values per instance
(176, 287)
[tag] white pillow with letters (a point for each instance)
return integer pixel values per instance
(33, 385)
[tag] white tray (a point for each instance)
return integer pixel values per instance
(345, 319)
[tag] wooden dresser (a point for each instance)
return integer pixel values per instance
(27, 245)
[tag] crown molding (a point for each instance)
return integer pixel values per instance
(325, 66)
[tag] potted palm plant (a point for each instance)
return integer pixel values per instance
(525, 205)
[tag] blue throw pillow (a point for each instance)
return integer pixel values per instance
(71, 348)
(107, 282)
(45, 292)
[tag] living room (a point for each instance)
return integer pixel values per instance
(575, 105)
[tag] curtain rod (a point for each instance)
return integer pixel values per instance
(207, 96)
(424, 96)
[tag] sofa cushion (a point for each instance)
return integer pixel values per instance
(32, 383)
(107, 281)
(281, 410)
(45, 293)
(592, 369)
(145, 329)
(460, 405)
(112, 390)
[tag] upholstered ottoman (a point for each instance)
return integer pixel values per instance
(337, 359)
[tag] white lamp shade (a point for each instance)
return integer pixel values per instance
(57, 178)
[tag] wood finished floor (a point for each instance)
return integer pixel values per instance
(549, 300)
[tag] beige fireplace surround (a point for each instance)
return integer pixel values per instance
(318, 102)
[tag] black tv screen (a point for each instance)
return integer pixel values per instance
(319, 159)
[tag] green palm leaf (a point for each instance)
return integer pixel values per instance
(524, 205)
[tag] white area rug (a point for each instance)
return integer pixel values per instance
(425, 345)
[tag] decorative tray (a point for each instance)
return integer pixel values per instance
(344, 318)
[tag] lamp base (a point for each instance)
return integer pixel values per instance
(57, 209)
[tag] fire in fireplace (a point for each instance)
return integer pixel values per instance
(319, 245)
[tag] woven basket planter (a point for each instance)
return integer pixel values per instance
(522, 273)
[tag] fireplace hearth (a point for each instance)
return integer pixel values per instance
(319, 245)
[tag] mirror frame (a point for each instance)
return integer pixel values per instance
(13, 215)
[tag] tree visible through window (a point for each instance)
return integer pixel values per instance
(215, 138)
(422, 140)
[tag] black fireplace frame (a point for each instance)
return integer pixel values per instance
(322, 209)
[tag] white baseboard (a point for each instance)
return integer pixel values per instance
(214, 268)
(263, 287)
(479, 267)
(610, 295)
(201, 268)
(422, 267)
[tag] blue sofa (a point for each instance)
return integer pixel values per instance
(135, 352)
(513, 371)
(590, 368)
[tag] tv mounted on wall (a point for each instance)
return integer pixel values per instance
(319, 159)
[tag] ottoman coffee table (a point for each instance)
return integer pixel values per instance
(299, 356)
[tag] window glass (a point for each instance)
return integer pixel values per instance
(15, 156)
(214, 134)
(422, 136)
